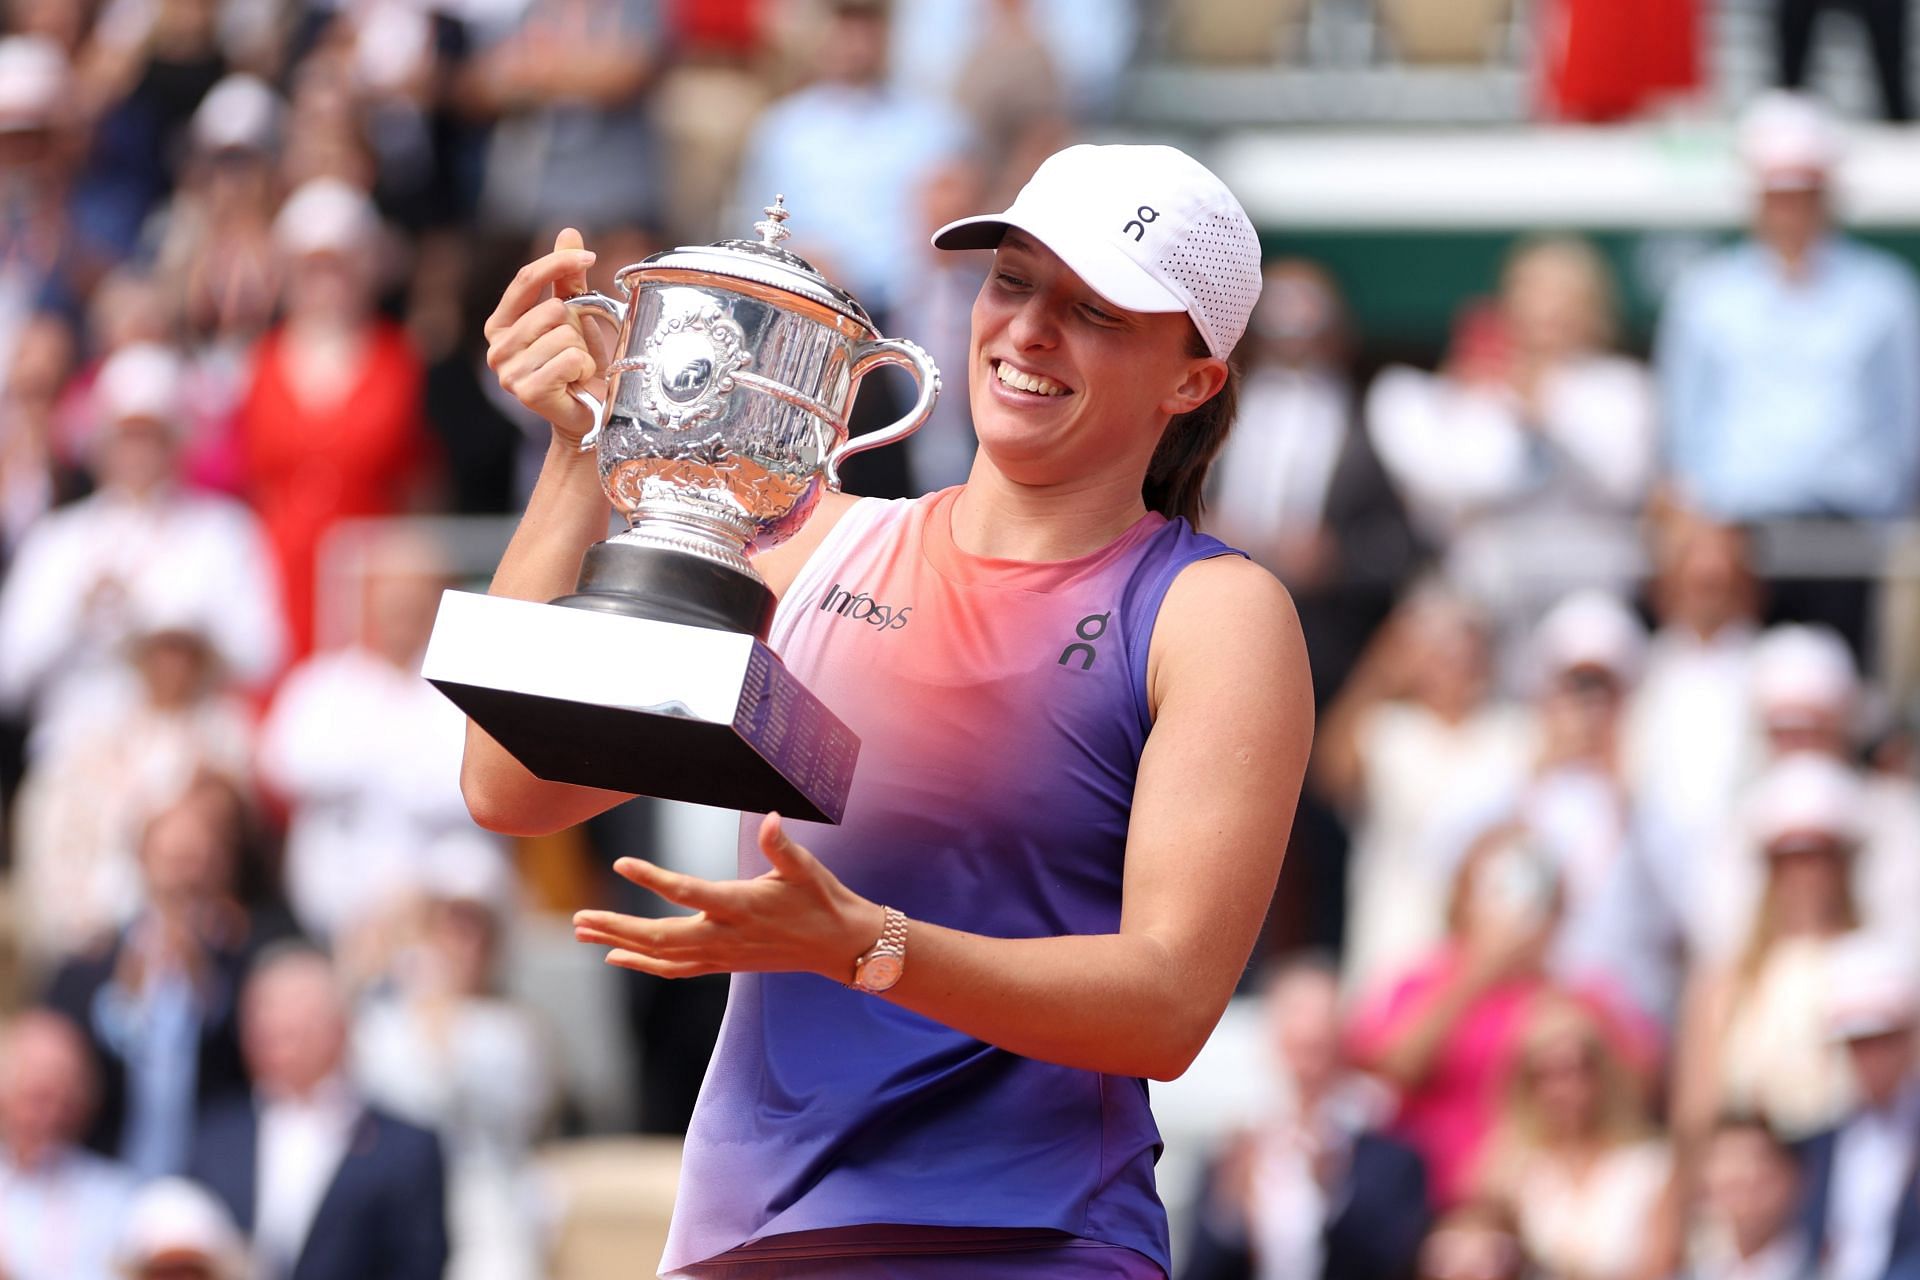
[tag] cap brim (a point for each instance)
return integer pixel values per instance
(1867, 1026)
(1106, 269)
(1805, 837)
(1792, 177)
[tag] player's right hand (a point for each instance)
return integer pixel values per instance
(539, 347)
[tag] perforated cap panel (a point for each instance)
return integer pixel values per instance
(1215, 262)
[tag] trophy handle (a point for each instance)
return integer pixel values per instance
(615, 311)
(868, 356)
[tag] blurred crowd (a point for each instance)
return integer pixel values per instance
(1608, 861)
(1595, 955)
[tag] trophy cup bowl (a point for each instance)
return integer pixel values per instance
(725, 419)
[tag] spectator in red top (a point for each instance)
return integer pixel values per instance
(332, 424)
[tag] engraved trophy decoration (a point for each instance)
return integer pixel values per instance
(724, 421)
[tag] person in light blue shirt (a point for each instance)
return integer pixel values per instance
(849, 152)
(1790, 363)
(61, 1208)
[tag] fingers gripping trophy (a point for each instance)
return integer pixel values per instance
(724, 421)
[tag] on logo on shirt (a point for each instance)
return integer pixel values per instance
(1089, 629)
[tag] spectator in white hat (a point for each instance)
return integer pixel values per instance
(442, 1046)
(1863, 1176)
(1574, 803)
(216, 248)
(35, 81)
(1756, 1033)
(39, 246)
(241, 113)
(1760, 423)
(178, 1230)
(1806, 690)
(336, 392)
(76, 866)
(1806, 698)
(89, 576)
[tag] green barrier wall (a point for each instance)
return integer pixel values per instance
(1404, 287)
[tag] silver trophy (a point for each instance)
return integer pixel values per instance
(724, 421)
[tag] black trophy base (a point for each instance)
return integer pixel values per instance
(678, 710)
(639, 581)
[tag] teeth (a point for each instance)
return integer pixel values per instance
(1033, 382)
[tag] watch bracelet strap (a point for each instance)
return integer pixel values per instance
(892, 939)
(893, 933)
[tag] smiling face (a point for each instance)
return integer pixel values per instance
(1068, 389)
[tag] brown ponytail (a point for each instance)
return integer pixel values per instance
(1178, 472)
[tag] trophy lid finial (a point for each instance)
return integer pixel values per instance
(772, 230)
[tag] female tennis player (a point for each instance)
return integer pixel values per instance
(1083, 732)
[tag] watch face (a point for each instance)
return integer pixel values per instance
(879, 973)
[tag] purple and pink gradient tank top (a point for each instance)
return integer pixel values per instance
(1001, 707)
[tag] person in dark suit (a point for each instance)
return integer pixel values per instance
(1316, 1193)
(1861, 1210)
(1299, 484)
(326, 1187)
(158, 1000)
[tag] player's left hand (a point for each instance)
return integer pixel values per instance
(796, 918)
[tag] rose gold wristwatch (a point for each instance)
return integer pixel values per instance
(881, 967)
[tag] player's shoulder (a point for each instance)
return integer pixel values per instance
(1227, 603)
(1233, 582)
(1228, 629)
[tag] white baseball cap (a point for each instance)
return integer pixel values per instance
(145, 382)
(1799, 668)
(34, 74)
(1790, 141)
(1149, 228)
(327, 215)
(467, 866)
(1591, 629)
(1873, 987)
(174, 1219)
(242, 112)
(1806, 795)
